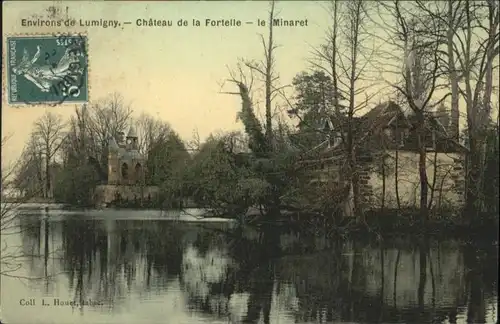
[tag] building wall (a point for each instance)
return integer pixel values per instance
(449, 183)
(115, 170)
(104, 194)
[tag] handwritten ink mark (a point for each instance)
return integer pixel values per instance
(48, 55)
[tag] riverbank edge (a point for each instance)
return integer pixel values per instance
(376, 223)
(384, 226)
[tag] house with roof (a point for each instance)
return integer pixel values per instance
(126, 172)
(385, 143)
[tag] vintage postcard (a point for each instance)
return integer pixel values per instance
(249, 162)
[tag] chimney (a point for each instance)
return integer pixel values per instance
(445, 118)
(121, 138)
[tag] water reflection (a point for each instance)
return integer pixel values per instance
(151, 271)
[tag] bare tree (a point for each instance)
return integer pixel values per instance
(107, 117)
(194, 144)
(11, 255)
(477, 67)
(9, 215)
(257, 143)
(265, 69)
(446, 18)
(8, 175)
(78, 140)
(422, 77)
(28, 177)
(452, 24)
(149, 130)
(49, 134)
(357, 11)
(471, 35)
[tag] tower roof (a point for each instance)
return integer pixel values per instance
(132, 133)
(112, 145)
(132, 155)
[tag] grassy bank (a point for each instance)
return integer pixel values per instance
(23, 200)
(389, 223)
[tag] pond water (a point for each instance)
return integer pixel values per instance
(79, 269)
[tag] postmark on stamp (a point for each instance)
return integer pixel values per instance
(47, 69)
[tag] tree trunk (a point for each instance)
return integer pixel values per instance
(383, 183)
(434, 179)
(478, 109)
(491, 50)
(423, 185)
(396, 178)
(40, 186)
(422, 168)
(269, 79)
(351, 151)
(333, 64)
(453, 75)
(358, 208)
(472, 205)
(47, 176)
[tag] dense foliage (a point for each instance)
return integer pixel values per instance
(228, 173)
(222, 179)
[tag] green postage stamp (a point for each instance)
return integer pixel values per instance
(47, 69)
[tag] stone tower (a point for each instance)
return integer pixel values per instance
(125, 163)
(132, 161)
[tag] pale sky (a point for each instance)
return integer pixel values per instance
(171, 72)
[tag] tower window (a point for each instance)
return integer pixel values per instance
(403, 134)
(124, 171)
(138, 171)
